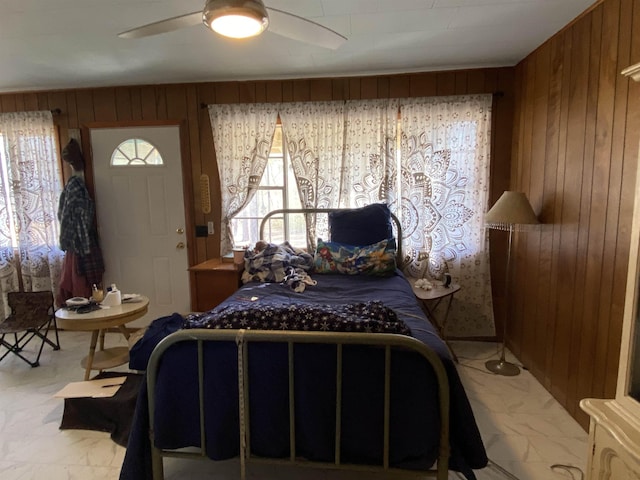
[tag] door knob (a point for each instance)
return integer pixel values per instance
(180, 245)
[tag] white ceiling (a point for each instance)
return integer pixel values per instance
(51, 44)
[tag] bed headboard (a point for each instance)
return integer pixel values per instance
(307, 211)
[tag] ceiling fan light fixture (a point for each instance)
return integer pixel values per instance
(236, 18)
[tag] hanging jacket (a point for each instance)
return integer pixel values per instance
(76, 212)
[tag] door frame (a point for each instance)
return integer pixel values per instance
(187, 184)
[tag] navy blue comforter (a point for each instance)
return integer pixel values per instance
(414, 415)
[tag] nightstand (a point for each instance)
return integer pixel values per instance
(430, 301)
(214, 281)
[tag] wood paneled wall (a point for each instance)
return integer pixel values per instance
(576, 134)
(182, 104)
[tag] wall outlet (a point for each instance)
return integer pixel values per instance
(210, 228)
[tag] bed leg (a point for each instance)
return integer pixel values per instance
(157, 465)
(443, 462)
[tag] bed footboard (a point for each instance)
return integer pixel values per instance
(390, 343)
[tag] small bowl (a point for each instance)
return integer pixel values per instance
(77, 301)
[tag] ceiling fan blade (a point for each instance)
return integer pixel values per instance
(302, 29)
(164, 26)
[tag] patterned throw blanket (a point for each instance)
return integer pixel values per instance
(369, 317)
(282, 263)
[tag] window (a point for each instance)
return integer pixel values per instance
(11, 231)
(136, 152)
(38, 215)
(30, 187)
(277, 190)
(345, 150)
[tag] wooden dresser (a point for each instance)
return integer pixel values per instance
(214, 281)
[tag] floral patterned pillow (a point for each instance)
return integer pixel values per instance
(376, 259)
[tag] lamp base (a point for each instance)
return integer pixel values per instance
(502, 367)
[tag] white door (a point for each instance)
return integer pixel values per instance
(140, 211)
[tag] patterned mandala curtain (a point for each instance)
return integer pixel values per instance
(314, 137)
(442, 197)
(242, 138)
(344, 154)
(371, 133)
(30, 187)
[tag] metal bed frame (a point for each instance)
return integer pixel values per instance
(388, 342)
(307, 211)
(243, 337)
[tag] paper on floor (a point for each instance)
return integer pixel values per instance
(101, 388)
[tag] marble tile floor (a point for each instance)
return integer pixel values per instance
(524, 429)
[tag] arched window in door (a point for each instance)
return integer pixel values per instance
(136, 152)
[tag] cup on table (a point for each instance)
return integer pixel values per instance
(238, 255)
(97, 293)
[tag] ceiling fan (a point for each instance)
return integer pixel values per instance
(242, 19)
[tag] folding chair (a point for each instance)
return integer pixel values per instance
(32, 316)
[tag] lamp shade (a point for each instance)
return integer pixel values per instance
(511, 211)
